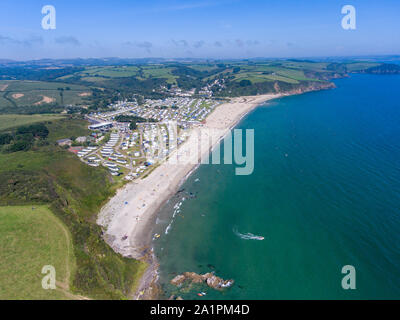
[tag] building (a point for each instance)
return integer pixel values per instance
(101, 126)
(81, 139)
(64, 142)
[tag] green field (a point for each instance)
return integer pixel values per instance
(67, 128)
(94, 79)
(305, 65)
(101, 74)
(28, 93)
(159, 71)
(256, 77)
(111, 71)
(203, 67)
(26, 85)
(30, 238)
(289, 72)
(357, 66)
(8, 121)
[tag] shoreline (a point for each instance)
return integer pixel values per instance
(128, 218)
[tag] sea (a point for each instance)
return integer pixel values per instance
(324, 194)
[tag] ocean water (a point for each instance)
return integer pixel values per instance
(325, 193)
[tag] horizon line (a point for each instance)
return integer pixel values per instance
(208, 58)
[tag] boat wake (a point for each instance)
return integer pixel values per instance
(247, 236)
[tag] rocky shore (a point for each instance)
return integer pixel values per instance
(209, 278)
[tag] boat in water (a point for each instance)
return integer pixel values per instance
(247, 236)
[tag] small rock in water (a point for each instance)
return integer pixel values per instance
(178, 280)
(174, 297)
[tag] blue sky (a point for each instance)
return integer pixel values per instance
(197, 28)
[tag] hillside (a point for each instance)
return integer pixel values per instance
(34, 87)
(49, 175)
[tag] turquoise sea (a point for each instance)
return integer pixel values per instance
(325, 193)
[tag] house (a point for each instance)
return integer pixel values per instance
(64, 142)
(81, 139)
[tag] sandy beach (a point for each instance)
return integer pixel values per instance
(128, 218)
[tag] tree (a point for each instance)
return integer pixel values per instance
(245, 83)
(37, 130)
(21, 145)
(5, 138)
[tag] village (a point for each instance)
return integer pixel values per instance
(132, 151)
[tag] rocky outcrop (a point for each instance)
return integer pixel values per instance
(178, 280)
(208, 278)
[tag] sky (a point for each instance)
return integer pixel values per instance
(197, 29)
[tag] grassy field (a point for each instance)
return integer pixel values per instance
(203, 67)
(26, 93)
(314, 66)
(100, 74)
(111, 71)
(256, 77)
(27, 85)
(67, 128)
(24, 160)
(30, 238)
(289, 71)
(94, 79)
(357, 66)
(9, 121)
(159, 71)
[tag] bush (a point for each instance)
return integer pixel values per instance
(37, 130)
(245, 83)
(5, 138)
(22, 145)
